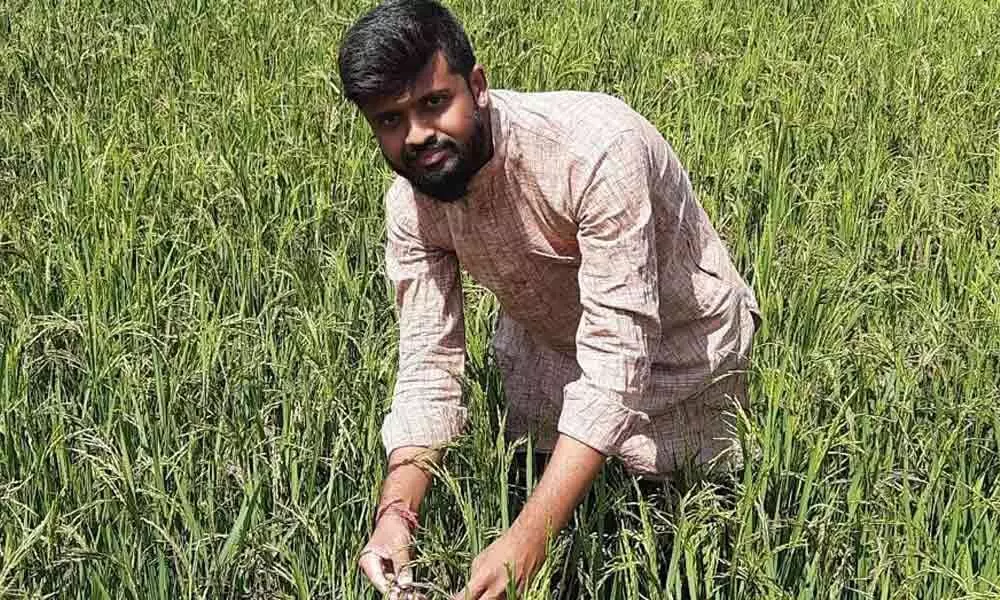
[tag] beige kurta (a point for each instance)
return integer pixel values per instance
(623, 322)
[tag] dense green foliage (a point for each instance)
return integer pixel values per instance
(197, 339)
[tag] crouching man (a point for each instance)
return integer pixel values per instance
(625, 329)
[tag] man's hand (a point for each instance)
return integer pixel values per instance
(569, 474)
(385, 558)
(523, 552)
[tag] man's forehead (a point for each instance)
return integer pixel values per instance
(435, 75)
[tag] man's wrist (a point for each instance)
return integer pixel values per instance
(530, 530)
(406, 482)
(399, 508)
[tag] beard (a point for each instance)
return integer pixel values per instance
(449, 182)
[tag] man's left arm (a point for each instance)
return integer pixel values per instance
(618, 328)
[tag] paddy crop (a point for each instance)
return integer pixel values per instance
(197, 342)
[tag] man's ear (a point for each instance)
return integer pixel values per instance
(478, 86)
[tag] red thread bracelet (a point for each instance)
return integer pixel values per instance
(409, 517)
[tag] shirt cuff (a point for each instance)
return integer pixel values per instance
(422, 424)
(597, 417)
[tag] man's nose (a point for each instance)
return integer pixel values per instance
(420, 133)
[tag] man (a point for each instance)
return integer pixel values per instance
(624, 328)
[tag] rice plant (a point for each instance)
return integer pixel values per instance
(197, 340)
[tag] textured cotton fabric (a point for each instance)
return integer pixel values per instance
(623, 321)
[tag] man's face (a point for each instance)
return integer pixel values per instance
(435, 134)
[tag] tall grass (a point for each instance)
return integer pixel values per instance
(197, 341)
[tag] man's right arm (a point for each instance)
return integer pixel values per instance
(427, 409)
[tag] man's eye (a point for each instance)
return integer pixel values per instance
(435, 101)
(389, 121)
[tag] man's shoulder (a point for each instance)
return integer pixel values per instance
(560, 102)
(576, 121)
(400, 194)
(402, 202)
(402, 209)
(577, 113)
(413, 215)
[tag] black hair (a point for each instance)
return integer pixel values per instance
(383, 51)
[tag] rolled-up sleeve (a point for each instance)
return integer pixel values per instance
(427, 407)
(618, 291)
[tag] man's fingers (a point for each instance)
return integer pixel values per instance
(474, 590)
(373, 566)
(404, 576)
(401, 567)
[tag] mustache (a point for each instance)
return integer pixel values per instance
(411, 154)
